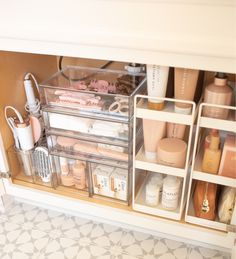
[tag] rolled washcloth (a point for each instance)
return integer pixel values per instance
(109, 129)
(66, 122)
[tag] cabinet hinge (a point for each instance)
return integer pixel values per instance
(231, 228)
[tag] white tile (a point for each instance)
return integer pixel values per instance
(125, 256)
(167, 256)
(160, 248)
(135, 250)
(193, 254)
(181, 253)
(208, 253)
(172, 244)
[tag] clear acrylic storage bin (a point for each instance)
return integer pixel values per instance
(71, 173)
(111, 182)
(31, 166)
(87, 128)
(100, 92)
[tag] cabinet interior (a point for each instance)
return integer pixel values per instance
(13, 67)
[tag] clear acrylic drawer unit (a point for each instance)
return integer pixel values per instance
(98, 92)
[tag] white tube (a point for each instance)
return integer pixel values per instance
(157, 78)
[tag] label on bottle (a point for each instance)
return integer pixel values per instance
(170, 197)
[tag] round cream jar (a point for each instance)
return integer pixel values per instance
(171, 152)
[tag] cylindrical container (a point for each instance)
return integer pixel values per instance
(152, 194)
(170, 194)
(175, 130)
(171, 152)
(25, 136)
(185, 86)
(157, 79)
(79, 175)
(153, 131)
(218, 93)
(26, 160)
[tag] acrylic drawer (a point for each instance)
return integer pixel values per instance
(87, 128)
(90, 151)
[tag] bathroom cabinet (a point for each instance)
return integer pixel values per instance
(173, 33)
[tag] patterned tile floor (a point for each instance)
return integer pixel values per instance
(29, 232)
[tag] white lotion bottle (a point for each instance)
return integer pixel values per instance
(170, 194)
(152, 194)
(157, 79)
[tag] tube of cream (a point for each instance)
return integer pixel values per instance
(157, 78)
(185, 86)
(153, 131)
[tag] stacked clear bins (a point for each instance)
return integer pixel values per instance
(88, 119)
(160, 170)
(212, 188)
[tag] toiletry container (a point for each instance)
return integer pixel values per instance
(152, 193)
(153, 131)
(211, 158)
(228, 160)
(171, 191)
(218, 93)
(171, 152)
(79, 175)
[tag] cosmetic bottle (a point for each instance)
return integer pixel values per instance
(156, 178)
(185, 86)
(211, 158)
(213, 132)
(153, 131)
(79, 175)
(218, 93)
(64, 166)
(170, 194)
(152, 194)
(157, 79)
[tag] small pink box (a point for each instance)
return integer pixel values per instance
(228, 159)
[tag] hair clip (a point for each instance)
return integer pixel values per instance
(120, 105)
